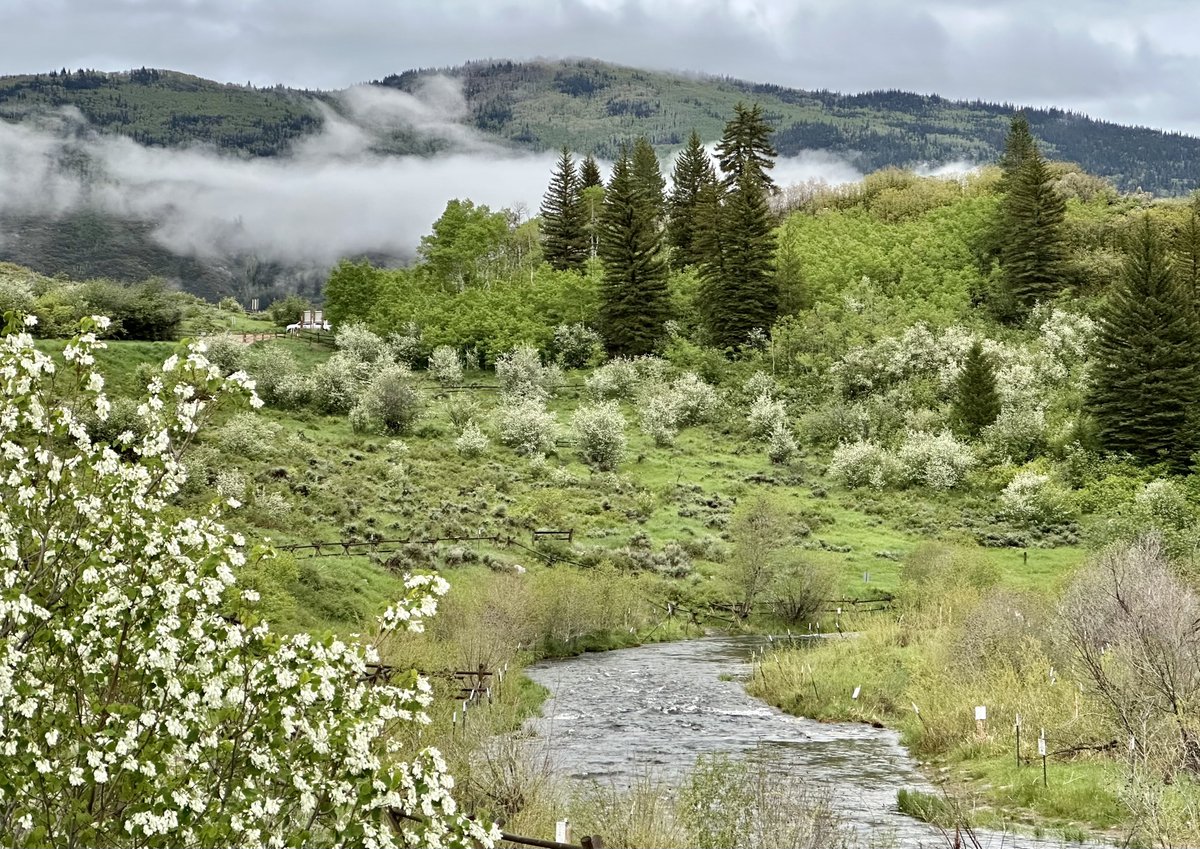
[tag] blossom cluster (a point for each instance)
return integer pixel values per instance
(141, 700)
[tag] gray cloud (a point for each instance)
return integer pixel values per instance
(332, 197)
(1115, 60)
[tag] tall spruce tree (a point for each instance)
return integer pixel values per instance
(1031, 247)
(1146, 387)
(1187, 250)
(746, 146)
(692, 174)
(976, 401)
(589, 173)
(1018, 146)
(738, 291)
(565, 243)
(634, 301)
(647, 175)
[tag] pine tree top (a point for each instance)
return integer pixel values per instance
(746, 145)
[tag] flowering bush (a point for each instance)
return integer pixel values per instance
(660, 418)
(522, 374)
(781, 444)
(862, 463)
(227, 353)
(143, 704)
(360, 345)
(275, 373)
(696, 402)
(472, 442)
(446, 366)
(599, 434)
(526, 426)
(935, 460)
(1031, 498)
(766, 416)
(577, 346)
(388, 403)
(248, 435)
(334, 385)
(616, 379)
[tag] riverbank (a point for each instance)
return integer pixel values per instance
(959, 644)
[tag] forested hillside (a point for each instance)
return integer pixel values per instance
(593, 106)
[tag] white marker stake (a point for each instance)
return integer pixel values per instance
(562, 831)
(857, 690)
(981, 720)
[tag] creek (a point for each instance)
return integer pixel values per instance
(615, 716)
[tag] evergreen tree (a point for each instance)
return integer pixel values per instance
(564, 235)
(634, 302)
(693, 172)
(648, 178)
(1031, 248)
(1147, 378)
(746, 146)
(1018, 147)
(738, 287)
(976, 401)
(1187, 250)
(589, 173)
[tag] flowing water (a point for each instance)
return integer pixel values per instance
(618, 715)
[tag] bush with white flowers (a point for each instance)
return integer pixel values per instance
(142, 702)
(521, 374)
(388, 403)
(599, 431)
(862, 464)
(936, 460)
(227, 353)
(766, 416)
(526, 426)
(360, 344)
(445, 365)
(615, 380)
(696, 402)
(781, 444)
(334, 385)
(660, 418)
(473, 441)
(577, 346)
(1032, 498)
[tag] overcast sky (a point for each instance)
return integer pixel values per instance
(1133, 62)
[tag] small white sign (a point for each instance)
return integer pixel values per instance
(980, 713)
(1018, 724)
(562, 831)
(1132, 743)
(857, 690)
(916, 709)
(1041, 747)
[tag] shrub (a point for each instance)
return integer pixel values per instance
(247, 435)
(1017, 435)
(617, 379)
(526, 426)
(359, 345)
(229, 304)
(446, 366)
(781, 445)
(289, 310)
(1031, 498)
(767, 415)
(938, 460)
(139, 620)
(335, 384)
(660, 418)
(275, 375)
(405, 346)
(389, 403)
(461, 409)
(696, 402)
(577, 346)
(473, 441)
(15, 295)
(225, 352)
(521, 374)
(599, 434)
(862, 463)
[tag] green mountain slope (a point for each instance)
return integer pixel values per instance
(593, 106)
